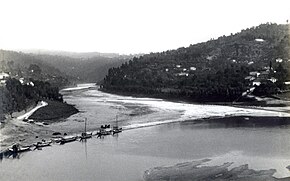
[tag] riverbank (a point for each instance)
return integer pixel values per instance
(180, 132)
(54, 111)
(280, 101)
(96, 158)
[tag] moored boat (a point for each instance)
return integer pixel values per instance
(116, 128)
(42, 144)
(67, 140)
(86, 135)
(104, 132)
(18, 149)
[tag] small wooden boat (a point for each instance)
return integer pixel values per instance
(86, 135)
(67, 140)
(42, 144)
(18, 149)
(103, 132)
(116, 128)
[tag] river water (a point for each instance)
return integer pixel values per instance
(156, 133)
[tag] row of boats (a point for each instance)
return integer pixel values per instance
(103, 131)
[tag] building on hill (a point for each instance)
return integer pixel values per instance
(250, 78)
(255, 74)
(272, 79)
(257, 82)
(3, 77)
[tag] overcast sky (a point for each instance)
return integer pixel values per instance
(128, 26)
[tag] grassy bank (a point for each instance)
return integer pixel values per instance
(53, 111)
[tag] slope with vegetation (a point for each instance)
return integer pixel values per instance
(85, 67)
(27, 80)
(211, 71)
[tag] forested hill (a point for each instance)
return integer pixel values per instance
(24, 66)
(24, 80)
(85, 67)
(215, 70)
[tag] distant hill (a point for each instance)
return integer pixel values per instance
(19, 64)
(210, 71)
(86, 67)
(77, 67)
(83, 55)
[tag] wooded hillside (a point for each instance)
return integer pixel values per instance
(211, 71)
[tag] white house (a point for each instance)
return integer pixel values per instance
(3, 76)
(182, 74)
(192, 68)
(256, 83)
(259, 40)
(273, 79)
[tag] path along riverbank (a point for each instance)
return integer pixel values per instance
(28, 127)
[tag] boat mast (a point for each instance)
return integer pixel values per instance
(117, 121)
(85, 125)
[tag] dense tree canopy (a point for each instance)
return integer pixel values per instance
(210, 71)
(17, 97)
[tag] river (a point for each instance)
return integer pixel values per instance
(156, 133)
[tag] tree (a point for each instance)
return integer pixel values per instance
(34, 69)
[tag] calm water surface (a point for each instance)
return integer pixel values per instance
(147, 142)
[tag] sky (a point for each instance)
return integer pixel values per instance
(128, 26)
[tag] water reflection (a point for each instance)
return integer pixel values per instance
(237, 122)
(84, 142)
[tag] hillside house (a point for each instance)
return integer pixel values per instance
(255, 74)
(256, 82)
(272, 79)
(182, 74)
(259, 40)
(192, 68)
(250, 78)
(3, 77)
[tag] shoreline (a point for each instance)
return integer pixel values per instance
(202, 170)
(53, 111)
(30, 126)
(263, 102)
(228, 121)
